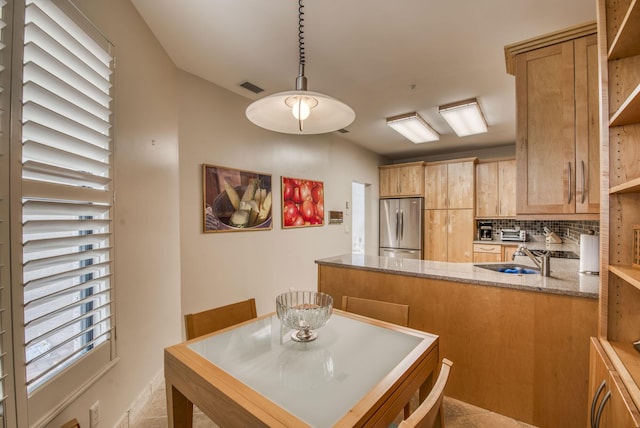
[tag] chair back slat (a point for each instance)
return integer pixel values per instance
(384, 311)
(216, 319)
(431, 408)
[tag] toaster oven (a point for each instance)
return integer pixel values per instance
(513, 235)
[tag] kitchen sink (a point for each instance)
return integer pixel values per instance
(510, 268)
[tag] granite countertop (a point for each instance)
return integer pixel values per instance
(565, 278)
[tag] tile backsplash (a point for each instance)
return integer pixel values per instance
(566, 229)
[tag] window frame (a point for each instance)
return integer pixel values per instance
(47, 401)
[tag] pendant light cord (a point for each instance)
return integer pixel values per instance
(301, 81)
(301, 33)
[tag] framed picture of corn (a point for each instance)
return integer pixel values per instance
(235, 200)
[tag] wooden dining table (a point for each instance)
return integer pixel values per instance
(359, 372)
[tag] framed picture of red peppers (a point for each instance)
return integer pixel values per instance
(302, 203)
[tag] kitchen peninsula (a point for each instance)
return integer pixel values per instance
(520, 342)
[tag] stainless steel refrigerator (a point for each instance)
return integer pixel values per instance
(401, 228)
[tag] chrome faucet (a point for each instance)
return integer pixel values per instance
(542, 263)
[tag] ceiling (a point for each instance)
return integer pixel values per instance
(382, 58)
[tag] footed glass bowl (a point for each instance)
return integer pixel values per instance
(304, 311)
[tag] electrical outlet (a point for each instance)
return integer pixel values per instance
(94, 415)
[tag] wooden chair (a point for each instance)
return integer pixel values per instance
(385, 311)
(218, 318)
(430, 409)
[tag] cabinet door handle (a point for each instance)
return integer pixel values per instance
(607, 396)
(570, 192)
(583, 181)
(594, 401)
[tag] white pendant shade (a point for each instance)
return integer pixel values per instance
(273, 113)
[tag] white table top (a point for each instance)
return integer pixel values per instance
(319, 381)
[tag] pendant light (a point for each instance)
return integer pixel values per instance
(300, 111)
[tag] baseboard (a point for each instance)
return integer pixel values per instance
(142, 401)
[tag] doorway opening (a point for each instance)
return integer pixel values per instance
(358, 217)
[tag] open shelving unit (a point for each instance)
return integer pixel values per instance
(619, 39)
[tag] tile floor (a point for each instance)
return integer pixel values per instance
(457, 415)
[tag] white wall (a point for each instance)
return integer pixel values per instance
(146, 224)
(162, 257)
(219, 268)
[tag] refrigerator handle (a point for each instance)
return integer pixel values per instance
(397, 224)
(401, 225)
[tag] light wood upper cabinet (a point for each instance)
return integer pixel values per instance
(557, 129)
(450, 185)
(496, 189)
(402, 180)
(587, 126)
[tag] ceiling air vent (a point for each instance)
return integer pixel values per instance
(343, 131)
(253, 88)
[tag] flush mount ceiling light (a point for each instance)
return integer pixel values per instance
(464, 117)
(300, 111)
(413, 127)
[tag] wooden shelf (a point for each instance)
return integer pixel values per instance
(629, 111)
(626, 272)
(632, 186)
(626, 361)
(627, 41)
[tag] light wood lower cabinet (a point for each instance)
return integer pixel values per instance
(484, 253)
(610, 405)
(520, 353)
(448, 235)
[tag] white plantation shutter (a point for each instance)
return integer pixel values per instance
(67, 202)
(7, 397)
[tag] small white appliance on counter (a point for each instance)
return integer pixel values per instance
(589, 254)
(513, 235)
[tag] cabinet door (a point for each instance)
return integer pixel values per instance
(388, 182)
(487, 189)
(435, 235)
(507, 252)
(620, 416)
(460, 238)
(460, 185)
(486, 257)
(598, 379)
(435, 186)
(609, 400)
(487, 253)
(545, 136)
(587, 126)
(507, 188)
(411, 180)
